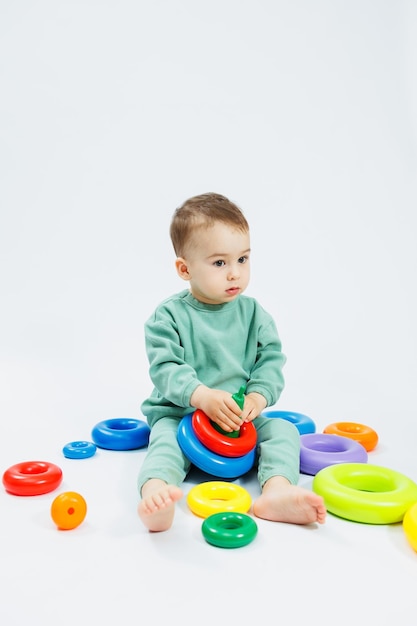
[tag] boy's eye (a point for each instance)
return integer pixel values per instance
(242, 259)
(219, 263)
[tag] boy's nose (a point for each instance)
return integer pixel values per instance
(233, 273)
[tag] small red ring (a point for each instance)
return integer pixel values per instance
(222, 444)
(32, 478)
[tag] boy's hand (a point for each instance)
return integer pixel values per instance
(219, 406)
(255, 403)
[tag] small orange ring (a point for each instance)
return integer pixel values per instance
(68, 510)
(359, 432)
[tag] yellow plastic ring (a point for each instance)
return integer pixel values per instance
(365, 435)
(410, 526)
(218, 496)
(365, 493)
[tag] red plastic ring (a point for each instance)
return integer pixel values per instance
(32, 478)
(222, 444)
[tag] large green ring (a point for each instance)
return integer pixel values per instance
(229, 529)
(361, 492)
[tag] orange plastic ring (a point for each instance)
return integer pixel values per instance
(68, 510)
(359, 432)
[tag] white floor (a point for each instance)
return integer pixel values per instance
(109, 568)
(113, 113)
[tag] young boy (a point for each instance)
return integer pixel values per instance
(203, 344)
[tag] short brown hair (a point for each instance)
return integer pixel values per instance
(203, 210)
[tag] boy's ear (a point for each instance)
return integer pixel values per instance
(182, 268)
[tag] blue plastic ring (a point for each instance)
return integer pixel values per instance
(121, 434)
(208, 461)
(304, 423)
(319, 450)
(79, 450)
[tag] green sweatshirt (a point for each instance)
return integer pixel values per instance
(222, 346)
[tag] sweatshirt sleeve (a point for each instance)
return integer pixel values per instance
(266, 376)
(174, 379)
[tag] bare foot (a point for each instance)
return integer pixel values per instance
(282, 502)
(157, 507)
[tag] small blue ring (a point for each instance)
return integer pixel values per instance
(79, 450)
(304, 423)
(208, 461)
(121, 434)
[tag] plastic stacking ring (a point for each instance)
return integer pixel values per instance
(229, 529)
(68, 510)
(218, 497)
(320, 450)
(215, 441)
(410, 526)
(79, 450)
(208, 461)
(359, 432)
(121, 434)
(304, 423)
(32, 478)
(361, 492)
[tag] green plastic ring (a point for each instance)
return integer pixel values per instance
(366, 493)
(229, 529)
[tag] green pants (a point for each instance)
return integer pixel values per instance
(278, 452)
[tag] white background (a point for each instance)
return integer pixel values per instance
(112, 113)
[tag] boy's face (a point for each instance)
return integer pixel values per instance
(217, 264)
